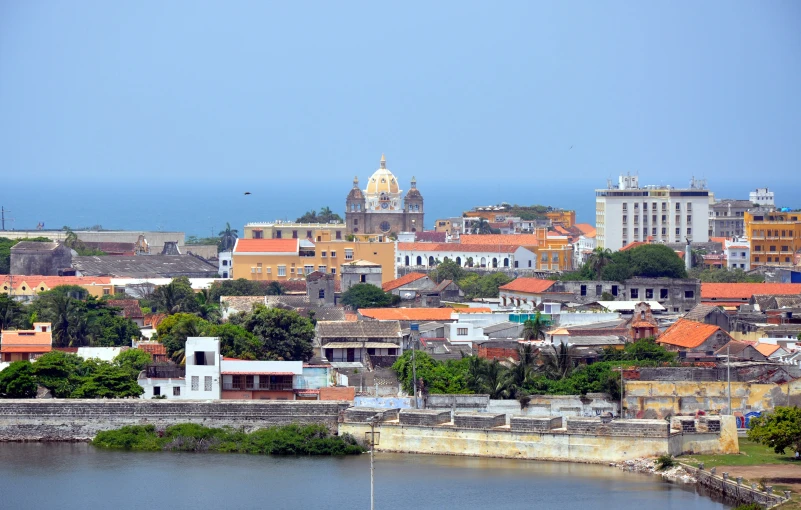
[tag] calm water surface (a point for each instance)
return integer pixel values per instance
(77, 476)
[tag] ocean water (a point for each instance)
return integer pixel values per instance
(202, 208)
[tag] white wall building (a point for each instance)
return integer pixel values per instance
(427, 254)
(202, 379)
(762, 196)
(225, 259)
(738, 254)
(628, 213)
(582, 249)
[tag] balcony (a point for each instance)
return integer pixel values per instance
(233, 386)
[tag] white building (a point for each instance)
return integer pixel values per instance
(738, 254)
(466, 255)
(762, 197)
(628, 213)
(582, 249)
(201, 380)
(225, 260)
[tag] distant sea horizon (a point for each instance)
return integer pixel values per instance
(202, 208)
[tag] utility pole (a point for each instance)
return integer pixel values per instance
(372, 422)
(622, 392)
(728, 374)
(3, 212)
(414, 331)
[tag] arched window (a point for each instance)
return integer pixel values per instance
(483, 262)
(459, 261)
(419, 260)
(407, 260)
(506, 262)
(431, 261)
(494, 262)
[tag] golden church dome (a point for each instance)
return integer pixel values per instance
(382, 181)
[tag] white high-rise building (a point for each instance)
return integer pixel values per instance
(762, 197)
(628, 212)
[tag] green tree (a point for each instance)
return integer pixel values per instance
(175, 329)
(780, 429)
(326, 216)
(448, 270)
(598, 260)
(176, 297)
(533, 329)
(366, 295)
(133, 360)
(12, 314)
(648, 260)
(227, 238)
(60, 372)
(558, 364)
(237, 342)
(17, 381)
(481, 226)
(284, 334)
(645, 349)
(107, 381)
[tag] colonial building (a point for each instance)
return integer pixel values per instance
(381, 208)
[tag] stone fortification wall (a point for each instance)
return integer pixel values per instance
(424, 417)
(479, 420)
(534, 424)
(630, 428)
(69, 420)
(591, 404)
(364, 414)
(471, 402)
(659, 399)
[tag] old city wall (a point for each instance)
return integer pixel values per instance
(581, 440)
(71, 420)
(659, 399)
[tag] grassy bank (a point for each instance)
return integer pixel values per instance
(751, 454)
(190, 437)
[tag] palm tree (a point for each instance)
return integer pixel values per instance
(495, 381)
(275, 289)
(325, 214)
(533, 328)
(559, 364)
(482, 226)
(598, 260)
(228, 238)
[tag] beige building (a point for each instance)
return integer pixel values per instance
(288, 259)
(292, 230)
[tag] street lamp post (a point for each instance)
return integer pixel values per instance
(414, 330)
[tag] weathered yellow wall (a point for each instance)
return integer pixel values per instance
(657, 399)
(501, 443)
(710, 443)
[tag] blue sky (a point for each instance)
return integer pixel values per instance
(231, 93)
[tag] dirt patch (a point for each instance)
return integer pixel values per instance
(779, 474)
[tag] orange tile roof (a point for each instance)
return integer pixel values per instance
(766, 349)
(504, 248)
(152, 348)
(49, 282)
(351, 317)
(496, 239)
(26, 341)
(635, 244)
(586, 229)
(744, 291)
(403, 280)
(266, 246)
(528, 285)
(414, 314)
(688, 334)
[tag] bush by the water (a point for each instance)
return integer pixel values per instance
(190, 437)
(665, 462)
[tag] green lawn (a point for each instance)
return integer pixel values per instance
(751, 454)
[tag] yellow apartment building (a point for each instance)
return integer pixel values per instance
(554, 253)
(291, 230)
(287, 259)
(775, 237)
(565, 218)
(26, 287)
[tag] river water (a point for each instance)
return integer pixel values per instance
(78, 476)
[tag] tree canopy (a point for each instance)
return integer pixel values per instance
(780, 429)
(243, 287)
(367, 295)
(326, 215)
(647, 260)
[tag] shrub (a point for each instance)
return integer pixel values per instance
(664, 462)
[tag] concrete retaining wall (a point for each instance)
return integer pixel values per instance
(478, 420)
(535, 424)
(70, 420)
(424, 417)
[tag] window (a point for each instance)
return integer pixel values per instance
(635, 293)
(664, 218)
(787, 259)
(529, 263)
(321, 268)
(583, 290)
(649, 293)
(195, 383)
(599, 290)
(758, 247)
(461, 331)
(678, 219)
(323, 254)
(308, 234)
(333, 270)
(756, 259)
(614, 290)
(207, 383)
(689, 231)
(339, 234)
(225, 262)
(689, 218)
(355, 221)
(258, 234)
(663, 293)
(678, 207)
(689, 206)
(321, 294)
(664, 231)
(664, 208)
(678, 231)
(689, 294)
(333, 254)
(636, 205)
(278, 234)
(300, 271)
(294, 234)
(348, 254)
(653, 231)
(281, 270)
(106, 292)
(362, 278)
(625, 219)
(625, 206)
(156, 391)
(176, 391)
(772, 248)
(308, 269)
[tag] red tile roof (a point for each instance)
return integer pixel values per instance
(266, 246)
(415, 314)
(528, 285)
(688, 334)
(153, 348)
(496, 239)
(456, 247)
(744, 291)
(130, 307)
(586, 229)
(430, 237)
(403, 280)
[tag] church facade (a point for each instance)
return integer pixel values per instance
(381, 208)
